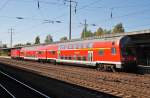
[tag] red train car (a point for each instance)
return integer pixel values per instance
(41, 53)
(106, 53)
(52, 53)
(29, 53)
(15, 53)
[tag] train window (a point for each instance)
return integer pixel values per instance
(74, 46)
(66, 57)
(62, 47)
(89, 45)
(74, 57)
(49, 52)
(66, 47)
(70, 47)
(113, 43)
(113, 51)
(69, 58)
(79, 58)
(83, 58)
(22, 53)
(79, 46)
(40, 52)
(101, 52)
(53, 52)
(84, 45)
(62, 57)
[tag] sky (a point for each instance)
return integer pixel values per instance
(134, 14)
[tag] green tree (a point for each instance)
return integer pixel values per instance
(99, 32)
(105, 31)
(86, 33)
(118, 28)
(48, 39)
(19, 45)
(37, 40)
(28, 43)
(63, 39)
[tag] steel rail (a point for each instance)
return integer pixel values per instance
(25, 85)
(7, 91)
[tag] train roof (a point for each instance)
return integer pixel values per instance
(106, 37)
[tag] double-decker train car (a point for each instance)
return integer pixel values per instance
(106, 53)
(29, 53)
(15, 53)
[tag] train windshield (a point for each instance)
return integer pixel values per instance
(129, 51)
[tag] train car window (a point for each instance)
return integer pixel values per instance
(22, 53)
(74, 57)
(62, 57)
(113, 51)
(59, 47)
(83, 58)
(49, 52)
(79, 58)
(40, 52)
(66, 57)
(89, 45)
(129, 51)
(53, 52)
(70, 47)
(66, 47)
(70, 58)
(113, 43)
(79, 46)
(62, 47)
(101, 52)
(74, 46)
(84, 45)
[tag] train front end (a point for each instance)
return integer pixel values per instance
(128, 54)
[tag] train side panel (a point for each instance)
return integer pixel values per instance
(15, 53)
(107, 52)
(29, 53)
(41, 53)
(52, 53)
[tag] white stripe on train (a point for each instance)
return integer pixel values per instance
(88, 63)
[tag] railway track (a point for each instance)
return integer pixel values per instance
(4, 93)
(118, 84)
(13, 88)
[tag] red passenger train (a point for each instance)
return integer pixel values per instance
(105, 53)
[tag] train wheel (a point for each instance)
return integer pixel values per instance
(113, 68)
(100, 67)
(54, 62)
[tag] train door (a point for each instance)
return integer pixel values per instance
(90, 56)
(58, 54)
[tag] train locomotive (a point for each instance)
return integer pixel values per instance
(117, 53)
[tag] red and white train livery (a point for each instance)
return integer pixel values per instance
(105, 53)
